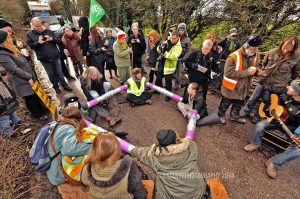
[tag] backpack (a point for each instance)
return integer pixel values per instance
(39, 155)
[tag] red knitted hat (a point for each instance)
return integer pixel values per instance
(121, 35)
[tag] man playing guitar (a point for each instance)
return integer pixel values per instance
(293, 121)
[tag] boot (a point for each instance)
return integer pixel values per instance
(114, 120)
(271, 169)
(251, 147)
(223, 120)
(149, 102)
(245, 114)
(238, 120)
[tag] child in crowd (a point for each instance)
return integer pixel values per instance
(136, 94)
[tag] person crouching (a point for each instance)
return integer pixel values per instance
(136, 94)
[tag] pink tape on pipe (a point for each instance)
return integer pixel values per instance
(123, 88)
(177, 98)
(190, 134)
(125, 146)
(150, 85)
(194, 113)
(92, 103)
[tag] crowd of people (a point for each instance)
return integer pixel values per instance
(106, 171)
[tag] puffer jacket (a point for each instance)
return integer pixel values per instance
(7, 105)
(243, 77)
(176, 167)
(186, 45)
(280, 72)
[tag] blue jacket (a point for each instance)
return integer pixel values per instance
(65, 141)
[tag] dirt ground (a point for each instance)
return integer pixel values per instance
(221, 152)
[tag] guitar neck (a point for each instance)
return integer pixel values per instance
(285, 128)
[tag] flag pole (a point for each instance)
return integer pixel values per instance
(110, 21)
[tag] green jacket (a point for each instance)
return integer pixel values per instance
(177, 173)
(66, 142)
(171, 57)
(121, 56)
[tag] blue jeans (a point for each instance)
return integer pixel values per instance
(259, 131)
(291, 153)
(5, 126)
(256, 95)
(54, 71)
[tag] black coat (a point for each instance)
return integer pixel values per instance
(97, 85)
(192, 61)
(137, 48)
(225, 44)
(47, 51)
(153, 55)
(198, 103)
(8, 105)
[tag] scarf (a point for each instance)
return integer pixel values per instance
(124, 46)
(71, 47)
(4, 92)
(231, 46)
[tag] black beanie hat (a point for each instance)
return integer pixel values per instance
(166, 137)
(254, 41)
(69, 98)
(3, 36)
(4, 23)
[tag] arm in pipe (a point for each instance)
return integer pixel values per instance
(163, 91)
(190, 132)
(107, 95)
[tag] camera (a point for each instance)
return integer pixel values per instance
(44, 38)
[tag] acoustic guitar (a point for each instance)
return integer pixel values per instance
(279, 113)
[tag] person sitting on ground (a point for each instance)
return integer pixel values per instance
(8, 106)
(72, 42)
(107, 174)
(64, 140)
(20, 75)
(93, 86)
(193, 99)
(136, 93)
(174, 161)
(292, 123)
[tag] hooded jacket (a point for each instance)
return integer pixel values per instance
(121, 180)
(176, 167)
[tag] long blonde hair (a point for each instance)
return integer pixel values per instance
(9, 44)
(106, 150)
(87, 75)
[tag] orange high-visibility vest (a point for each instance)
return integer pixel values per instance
(238, 60)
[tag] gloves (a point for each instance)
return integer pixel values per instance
(194, 66)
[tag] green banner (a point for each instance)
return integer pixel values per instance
(96, 12)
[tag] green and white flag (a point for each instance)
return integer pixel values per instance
(96, 12)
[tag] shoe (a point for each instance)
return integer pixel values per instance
(251, 147)
(238, 120)
(114, 120)
(245, 114)
(255, 120)
(148, 102)
(223, 120)
(67, 88)
(57, 90)
(271, 169)
(43, 118)
(167, 99)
